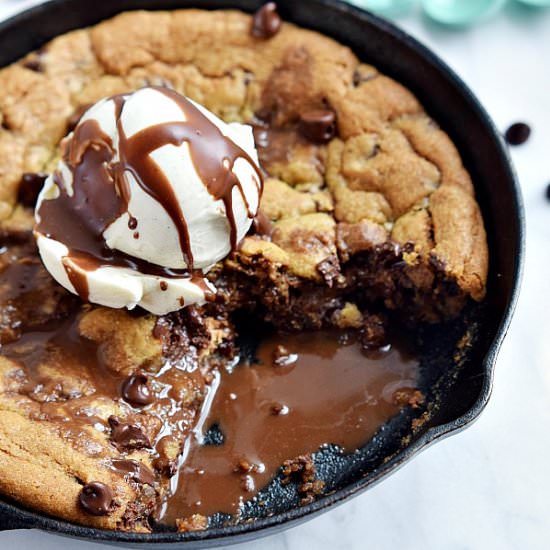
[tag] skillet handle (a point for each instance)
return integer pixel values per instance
(11, 518)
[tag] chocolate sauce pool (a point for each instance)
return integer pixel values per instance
(324, 391)
(300, 392)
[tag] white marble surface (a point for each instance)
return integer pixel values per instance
(487, 487)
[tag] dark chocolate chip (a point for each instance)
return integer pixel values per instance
(96, 498)
(318, 125)
(518, 133)
(128, 436)
(34, 64)
(29, 188)
(266, 22)
(261, 225)
(132, 223)
(135, 390)
(363, 75)
(134, 470)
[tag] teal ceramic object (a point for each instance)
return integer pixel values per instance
(389, 8)
(535, 3)
(461, 12)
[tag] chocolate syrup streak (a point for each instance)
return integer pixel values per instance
(330, 393)
(101, 191)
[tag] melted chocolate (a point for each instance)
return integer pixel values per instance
(261, 225)
(134, 470)
(101, 193)
(330, 393)
(128, 436)
(96, 498)
(277, 145)
(306, 390)
(136, 391)
(64, 379)
(213, 155)
(29, 188)
(318, 125)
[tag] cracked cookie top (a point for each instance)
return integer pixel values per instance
(389, 172)
(365, 198)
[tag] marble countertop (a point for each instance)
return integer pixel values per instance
(488, 486)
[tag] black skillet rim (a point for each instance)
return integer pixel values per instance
(15, 517)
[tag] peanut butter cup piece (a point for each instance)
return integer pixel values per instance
(96, 498)
(136, 391)
(266, 22)
(318, 125)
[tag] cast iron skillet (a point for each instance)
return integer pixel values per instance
(457, 393)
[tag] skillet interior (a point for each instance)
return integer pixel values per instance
(457, 393)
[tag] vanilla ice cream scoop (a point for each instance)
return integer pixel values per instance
(152, 190)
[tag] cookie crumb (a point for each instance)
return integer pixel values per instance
(303, 469)
(196, 522)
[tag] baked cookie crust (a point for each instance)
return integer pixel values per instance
(382, 213)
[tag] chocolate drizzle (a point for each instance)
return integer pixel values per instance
(100, 189)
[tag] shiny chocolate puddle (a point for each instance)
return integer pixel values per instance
(301, 393)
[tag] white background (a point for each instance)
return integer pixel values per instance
(488, 487)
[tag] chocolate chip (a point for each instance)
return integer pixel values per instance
(163, 286)
(96, 498)
(165, 466)
(363, 74)
(34, 64)
(318, 125)
(135, 390)
(136, 471)
(518, 133)
(132, 223)
(266, 22)
(261, 225)
(128, 436)
(29, 188)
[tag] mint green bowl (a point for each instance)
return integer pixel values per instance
(461, 12)
(388, 8)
